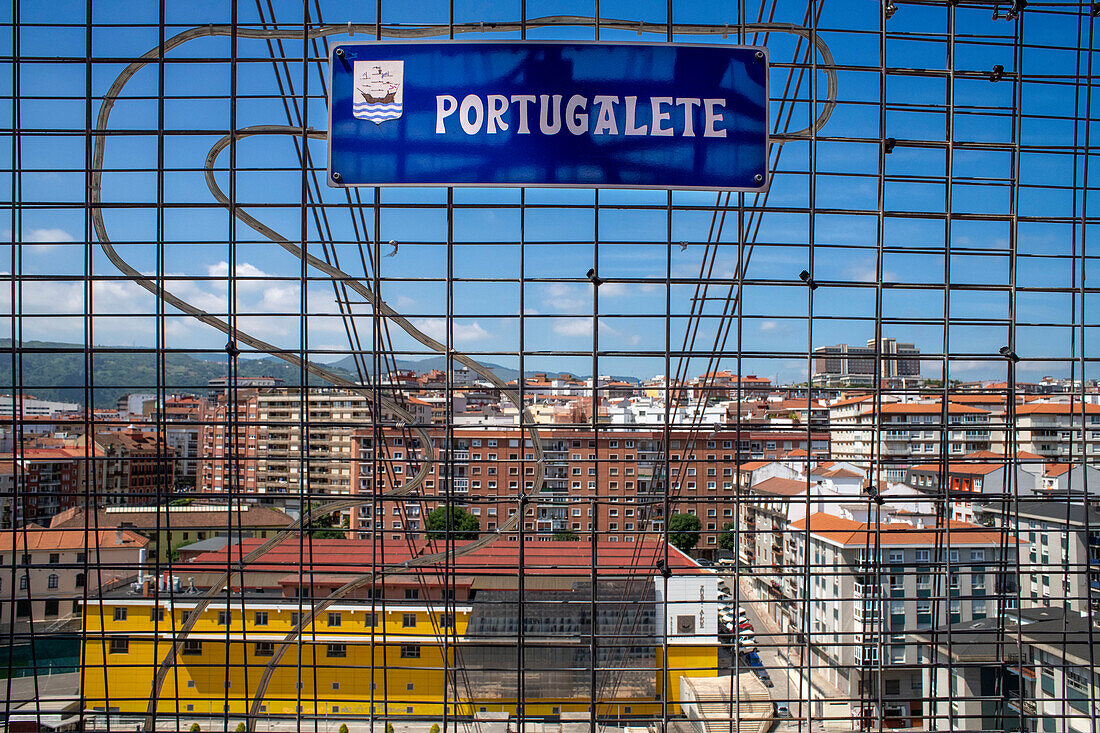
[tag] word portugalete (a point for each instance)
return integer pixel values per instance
(607, 115)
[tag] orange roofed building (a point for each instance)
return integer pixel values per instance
(869, 584)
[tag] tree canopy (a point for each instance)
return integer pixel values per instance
(463, 525)
(728, 539)
(683, 531)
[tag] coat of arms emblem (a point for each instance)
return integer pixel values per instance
(379, 90)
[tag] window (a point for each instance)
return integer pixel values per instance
(120, 645)
(156, 614)
(408, 620)
(897, 556)
(55, 558)
(264, 649)
(923, 555)
(192, 648)
(336, 650)
(410, 651)
(224, 618)
(51, 582)
(334, 619)
(120, 613)
(261, 618)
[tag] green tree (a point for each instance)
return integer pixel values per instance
(566, 535)
(195, 728)
(174, 553)
(389, 727)
(728, 539)
(343, 728)
(323, 527)
(241, 728)
(683, 531)
(462, 524)
(435, 728)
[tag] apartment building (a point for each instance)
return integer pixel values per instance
(1059, 430)
(313, 449)
(383, 649)
(38, 483)
(136, 467)
(180, 417)
(54, 570)
(871, 584)
(230, 440)
(896, 435)
(1060, 567)
(612, 483)
(1035, 672)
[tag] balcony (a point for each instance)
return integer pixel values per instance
(862, 590)
(1015, 702)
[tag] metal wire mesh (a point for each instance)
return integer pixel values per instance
(283, 455)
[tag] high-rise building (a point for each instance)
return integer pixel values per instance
(844, 365)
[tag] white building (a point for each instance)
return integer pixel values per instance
(33, 407)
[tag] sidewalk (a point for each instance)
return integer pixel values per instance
(820, 687)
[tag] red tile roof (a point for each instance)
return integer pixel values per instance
(39, 538)
(851, 533)
(780, 486)
(498, 558)
(1057, 408)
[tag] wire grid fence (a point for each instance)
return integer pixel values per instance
(170, 225)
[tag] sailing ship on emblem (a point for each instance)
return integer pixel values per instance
(379, 88)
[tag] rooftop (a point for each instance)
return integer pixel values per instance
(850, 533)
(176, 517)
(341, 557)
(38, 539)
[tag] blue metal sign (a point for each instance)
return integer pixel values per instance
(548, 114)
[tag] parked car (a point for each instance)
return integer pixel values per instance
(744, 626)
(765, 678)
(782, 710)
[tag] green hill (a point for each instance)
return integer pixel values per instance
(56, 371)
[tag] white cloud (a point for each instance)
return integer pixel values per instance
(868, 273)
(571, 297)
(577, 297)
(48, 236)
(244, 269)
(769, 326)
(573, 326)
(464, 332)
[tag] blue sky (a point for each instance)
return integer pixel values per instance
(559, 238)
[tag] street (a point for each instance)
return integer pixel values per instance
(772, 649)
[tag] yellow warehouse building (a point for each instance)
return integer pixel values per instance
(415, 644)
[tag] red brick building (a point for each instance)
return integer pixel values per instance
(611, 483)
